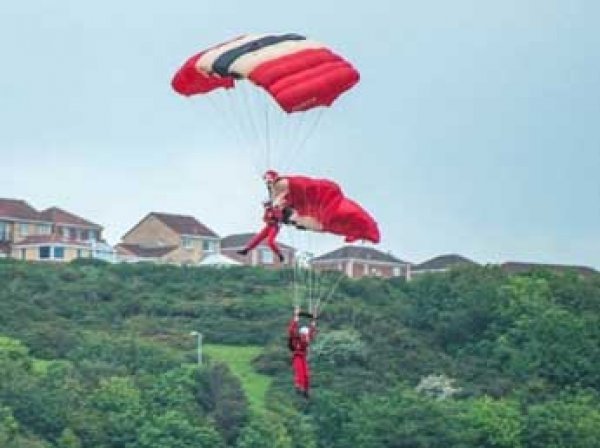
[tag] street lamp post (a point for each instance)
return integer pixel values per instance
(199, 336)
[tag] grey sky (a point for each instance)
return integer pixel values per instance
(474, 128)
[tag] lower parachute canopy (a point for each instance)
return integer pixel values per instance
(320, 204)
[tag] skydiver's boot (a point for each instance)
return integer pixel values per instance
(242, 252)
(286, 214)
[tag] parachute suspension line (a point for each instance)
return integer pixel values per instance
(322, 303)
(246, 99)
(228, 121)
(295, 151)
(321, 279)
(267, 138)
(233, 118)
(294, 132)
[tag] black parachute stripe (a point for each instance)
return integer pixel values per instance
(223, 62)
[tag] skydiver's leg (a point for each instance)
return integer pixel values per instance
(271, 235)
(298, 372)
(305, 377)
(255, 241)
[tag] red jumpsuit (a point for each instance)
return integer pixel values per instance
(299, 346)
(272, 217)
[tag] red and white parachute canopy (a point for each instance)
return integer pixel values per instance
(300, 74)
(320, 204)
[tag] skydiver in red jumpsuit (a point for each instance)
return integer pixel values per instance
(299, 340)
(279, 198)
(272, 217)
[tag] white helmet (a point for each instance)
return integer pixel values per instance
(303, 330)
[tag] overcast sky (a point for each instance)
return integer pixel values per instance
(474, 129)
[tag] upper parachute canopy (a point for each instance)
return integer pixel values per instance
(298, 73)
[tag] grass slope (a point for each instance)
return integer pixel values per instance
(239, 359)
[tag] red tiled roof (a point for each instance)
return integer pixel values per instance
(18, 209)
(239, 240)
(358, 253)
(144, 252)
(60, 216)
(442, 262)
(185, 225)
(50, 239)
(181, 224)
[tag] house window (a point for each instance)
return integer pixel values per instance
(44, 229)
(186, 242)
(209, 246)
(4, 233)
(93, 235)
(397, 271)
(72, 234)
(59, 252)
(266, 256)
(23, 229)
(79, 253)
(23, 254)
(84, 235)
(44, 252)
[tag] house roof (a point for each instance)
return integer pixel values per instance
(60, 216)
(18, 209)
(239, 240)
(358, 253)
(517, 267)
(143, 251)
(50, 239)
(443, 262)
(180, 224)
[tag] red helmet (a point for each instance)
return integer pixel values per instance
(270, 176)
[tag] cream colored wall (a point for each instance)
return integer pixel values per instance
(152, 232)
(17, 233)
(186, 256)
(32, 254)
(71, 253)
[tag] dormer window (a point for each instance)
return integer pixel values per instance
(44, 229)
(209, 246)
(24, 229)
(187, 243)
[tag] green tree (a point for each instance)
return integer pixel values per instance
(493, 423)
(174, 430)
(264, 430)
(569, 422)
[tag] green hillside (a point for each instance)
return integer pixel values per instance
(239, 360)
(100, 356)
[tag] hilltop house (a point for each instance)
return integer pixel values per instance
(358, 261)
(50, 235)
(261, 256)
(441, 263)
(168, 238)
